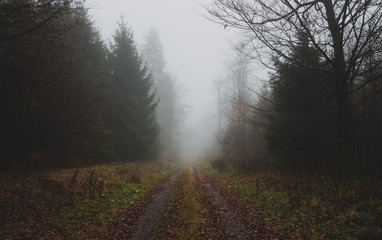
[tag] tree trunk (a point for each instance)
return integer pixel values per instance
(344, 120)
(344, 114)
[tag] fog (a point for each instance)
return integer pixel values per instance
(195, 50)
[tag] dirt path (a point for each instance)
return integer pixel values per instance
(146, 227)
(139, 218)
(191, 205)
(228, 223)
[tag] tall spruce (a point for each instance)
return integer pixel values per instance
(302, 126)
(132, 111)
(54, 87)
(166, 112)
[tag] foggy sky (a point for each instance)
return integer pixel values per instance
(194, 47)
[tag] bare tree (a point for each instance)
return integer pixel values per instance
(218, 83)
(19, 18)
(237, 136)
(346, 33)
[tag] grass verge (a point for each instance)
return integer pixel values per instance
(181, 218)
(71, 203)
(190, 213)
(310, 206)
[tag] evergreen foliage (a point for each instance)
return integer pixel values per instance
(167, 111)
(153, 54)
(66, 99)
(54, 88)
(302, 126)
(132, 114)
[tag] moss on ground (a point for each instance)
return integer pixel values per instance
(190, 213)
(181, 219)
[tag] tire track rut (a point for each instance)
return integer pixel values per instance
(229, 225)
(146, 227)
(221, 215)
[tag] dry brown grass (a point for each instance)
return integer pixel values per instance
(71, 203)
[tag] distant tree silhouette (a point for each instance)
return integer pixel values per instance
(132, 116)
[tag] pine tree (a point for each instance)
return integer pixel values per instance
(90, 92)
(53, 103)
(302, 126)
(132, 117)
(166, 111)
(153, 54)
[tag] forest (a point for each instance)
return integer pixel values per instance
(92, 129)
(70, 99)
(320, 110)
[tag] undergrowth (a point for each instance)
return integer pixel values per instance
(311, 206)
(71, 203)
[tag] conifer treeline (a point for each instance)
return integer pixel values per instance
(292, 123)
(67, 99)
(323, 106)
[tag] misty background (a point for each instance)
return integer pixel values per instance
(195, 50)
(280, 100)
(77, 88)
